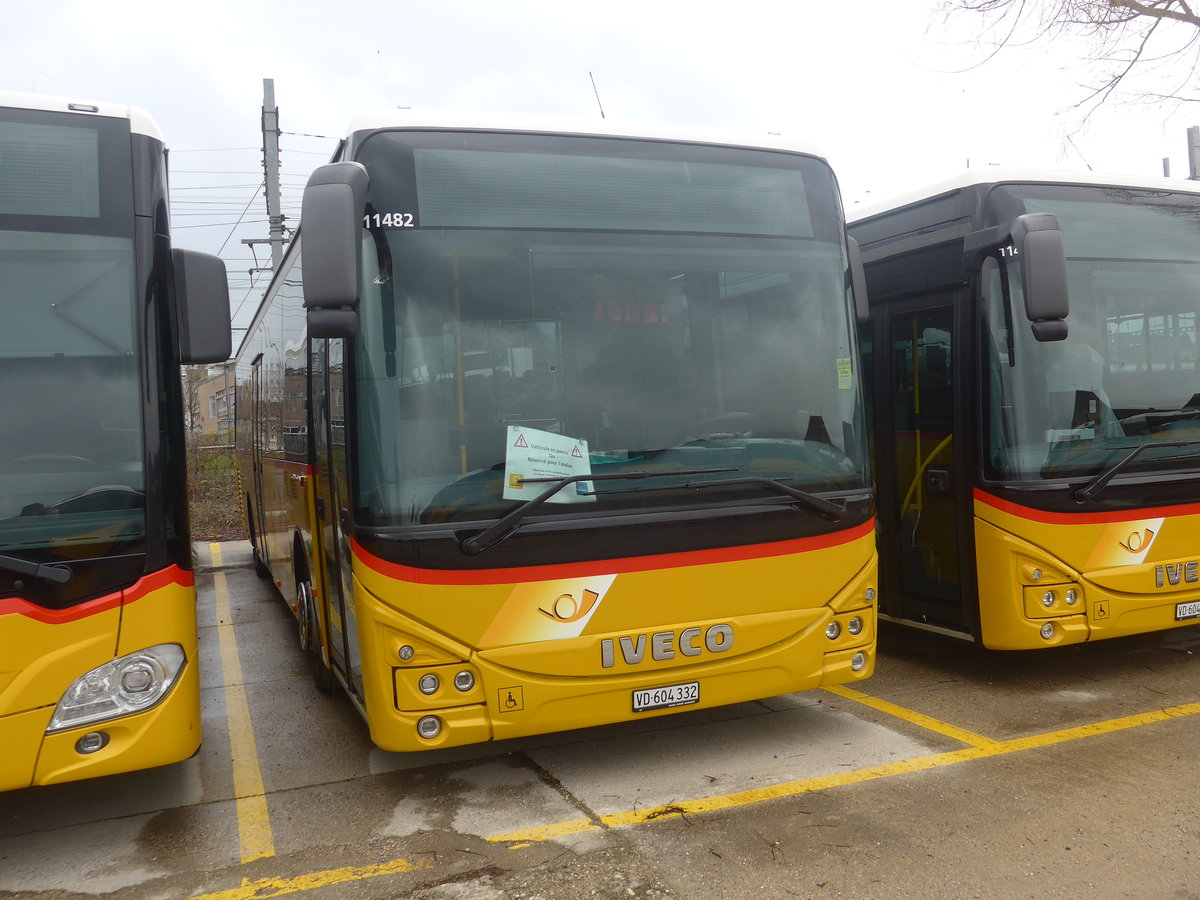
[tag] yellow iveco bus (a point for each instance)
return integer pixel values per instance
(1035, 405)
(97, 600)
(545, 425)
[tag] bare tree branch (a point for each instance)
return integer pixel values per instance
(1131, 40)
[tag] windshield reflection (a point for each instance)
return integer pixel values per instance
(1128, 373)
(71, 472)
(726, 354)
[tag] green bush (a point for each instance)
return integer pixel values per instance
(216, 512)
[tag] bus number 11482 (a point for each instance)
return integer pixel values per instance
(388, 220)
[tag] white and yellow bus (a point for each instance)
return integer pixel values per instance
(98, 670)
(546, 425)
(1035, 405)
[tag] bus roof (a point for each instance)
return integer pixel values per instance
(140, 121)
(372, 120)
(1006, 175)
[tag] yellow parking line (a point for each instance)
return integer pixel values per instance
(841, 779)
(263, 888)
(254, 820)
(916, 718)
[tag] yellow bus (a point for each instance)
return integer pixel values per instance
(547, 424)
(1035, 405)
(98, 669)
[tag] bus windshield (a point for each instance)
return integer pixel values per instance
(71, 470)
(542, 306)
(1128, 372)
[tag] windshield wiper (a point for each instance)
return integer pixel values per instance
(55, 574)
(1089, 491)
(813, 502)
(1155, 419)
(506, 524)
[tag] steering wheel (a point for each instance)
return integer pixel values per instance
(730, 424)
(56, 461)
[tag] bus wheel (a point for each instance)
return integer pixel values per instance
(310, 637)
(260, 567)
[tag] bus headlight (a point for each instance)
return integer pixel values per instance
(122, 687)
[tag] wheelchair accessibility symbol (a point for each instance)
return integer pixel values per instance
(510, 699)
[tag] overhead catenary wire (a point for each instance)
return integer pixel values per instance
(221, 198)
(242, 216)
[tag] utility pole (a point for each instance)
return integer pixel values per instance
(270, 132)
(270, 129)
(1193, 134)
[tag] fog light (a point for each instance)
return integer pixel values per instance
(429, 684)
(1072, 597)
(1048, 599)
(91, 742)
(1048, 630)
(429, 727)
(855, 625)
(858, 662)
(870, 595)
(464, 680)
(407, 652)
(833, 630)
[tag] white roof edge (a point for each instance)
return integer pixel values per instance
(369, 120)
(1005, 174)
(140, 121)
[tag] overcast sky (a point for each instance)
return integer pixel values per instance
(893, 95)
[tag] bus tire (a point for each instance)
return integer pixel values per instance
(310, 637)
(260, 567)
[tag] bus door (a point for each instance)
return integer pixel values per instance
(257, 513)
(336, 600)
(925, 517)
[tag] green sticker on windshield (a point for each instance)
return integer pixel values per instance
(845, 381)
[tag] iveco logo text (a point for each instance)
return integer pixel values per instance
(1175, 573)
(664, 645)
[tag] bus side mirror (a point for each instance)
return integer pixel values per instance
(1036, 240)
(331, 237)
(202, 307)
(332, 323)
(858, 279)
(1043, 274)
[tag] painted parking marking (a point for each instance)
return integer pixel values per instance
(919, 719)
(263, 888)
(824, 782)
(255, 838)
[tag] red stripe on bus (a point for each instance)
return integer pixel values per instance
(1085, 518)
(610, 566)
(18, 606)
(157, 580)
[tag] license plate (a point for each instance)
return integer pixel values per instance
(1187, 611)
(665, 697)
